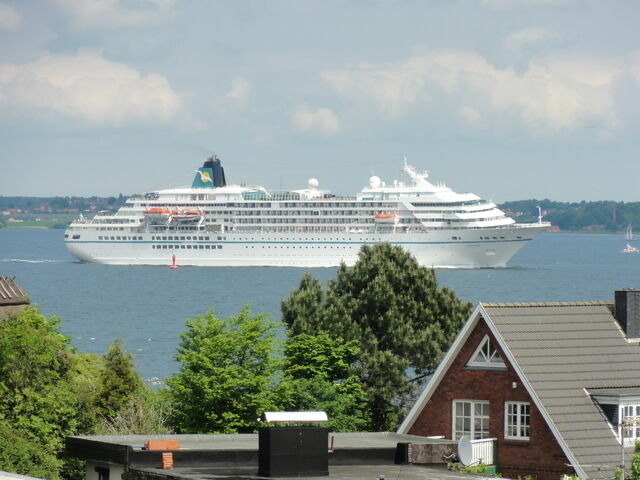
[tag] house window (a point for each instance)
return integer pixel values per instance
(471, 419)
(630, 425)
(517, 420)
(486, 356)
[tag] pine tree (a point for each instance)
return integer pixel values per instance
(119, 381)
(394, 308)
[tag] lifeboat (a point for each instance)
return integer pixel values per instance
(186, 215)
(157, 214)
(385, 218)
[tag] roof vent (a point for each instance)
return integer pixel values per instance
(627, 311)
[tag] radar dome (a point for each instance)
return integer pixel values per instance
(313, 183)
(374, 182)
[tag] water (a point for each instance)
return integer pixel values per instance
(147, 306)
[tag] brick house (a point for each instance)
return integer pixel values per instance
(552, 382)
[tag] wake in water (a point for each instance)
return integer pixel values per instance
(24, 260)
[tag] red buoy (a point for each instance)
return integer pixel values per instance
(173, 265)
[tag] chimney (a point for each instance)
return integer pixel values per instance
(627, 311)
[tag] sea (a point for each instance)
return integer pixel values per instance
(146, 306)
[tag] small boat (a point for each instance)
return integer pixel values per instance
(157, 214)
(629, 248)
(186, 215)
(385, 218)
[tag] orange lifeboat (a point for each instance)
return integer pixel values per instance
(157, 215)
(157, 211)
(385, 218)
(186, 215)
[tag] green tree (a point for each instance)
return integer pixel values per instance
(394, 308)
(37, 400)
(119, 381)
(20, 454)
(87, 371)
(145, 413)
(635, 462)
(226, 378)
(318, 375)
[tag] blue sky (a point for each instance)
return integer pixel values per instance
(508, 99)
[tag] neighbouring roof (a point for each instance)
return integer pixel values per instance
(561, 351)
(11, 293)
(249, 441)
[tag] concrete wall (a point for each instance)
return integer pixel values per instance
(115, 471)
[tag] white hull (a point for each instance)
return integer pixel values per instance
(435, 249)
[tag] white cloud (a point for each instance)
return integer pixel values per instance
(323, 121)
(239, 93)
(634, 65)
(471, 115)
(114, 13)
(554, 94)
(515, 4)
(527, 38)
(9, 18)
(88, 87)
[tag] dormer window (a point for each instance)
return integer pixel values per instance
(621, 408)
(486, 356)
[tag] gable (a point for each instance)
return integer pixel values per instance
(460, 353)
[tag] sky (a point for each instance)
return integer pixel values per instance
(509, 99)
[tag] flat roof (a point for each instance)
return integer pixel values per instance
(249, 441)
(338, 472)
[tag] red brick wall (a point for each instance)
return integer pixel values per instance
(540, 456)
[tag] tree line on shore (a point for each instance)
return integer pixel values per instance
(359, 349)
(602, 215)
(606, 216)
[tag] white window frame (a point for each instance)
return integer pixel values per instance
(489, 361)
(522, 421)
(630, 435)
(456, 405)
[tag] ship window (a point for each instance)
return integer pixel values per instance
(181, 238)
(188, 238)
(75, 237)
(219, 246)
(164, 238)
(188, 246)
(183, 246)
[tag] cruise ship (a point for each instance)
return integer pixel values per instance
(211, 223)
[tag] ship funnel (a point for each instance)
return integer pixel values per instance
(210, 175)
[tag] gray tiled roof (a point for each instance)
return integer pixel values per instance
(11, 293)
(563, 349)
